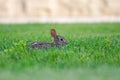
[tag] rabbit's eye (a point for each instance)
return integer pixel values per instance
(61, 39)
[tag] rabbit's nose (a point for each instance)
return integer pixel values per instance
(66, 42)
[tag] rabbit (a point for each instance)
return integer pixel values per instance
(58, 41)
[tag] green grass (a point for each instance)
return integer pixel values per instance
(93, 52)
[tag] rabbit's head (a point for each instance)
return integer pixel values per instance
(58, 40)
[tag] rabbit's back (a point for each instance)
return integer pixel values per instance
(40, 45)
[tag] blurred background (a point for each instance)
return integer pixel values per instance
(58, 9)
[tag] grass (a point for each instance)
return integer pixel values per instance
(93, 52)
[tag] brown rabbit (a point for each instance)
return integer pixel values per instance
(58, 42)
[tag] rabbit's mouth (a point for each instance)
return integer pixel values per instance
(65, 43)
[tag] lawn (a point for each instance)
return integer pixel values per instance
(93, 52)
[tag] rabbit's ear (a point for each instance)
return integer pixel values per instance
(53, 33)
